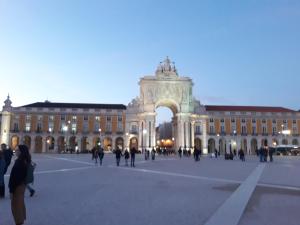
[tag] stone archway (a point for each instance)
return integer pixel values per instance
(211, 145)
(50, 143)
(166, 88)
(38, 144)
(119, 143)
(133, 143)
(198, 143)
(15, 141)
(61, 144)
(107, 144)
(84, 143)
(254, 146)
(27, 141)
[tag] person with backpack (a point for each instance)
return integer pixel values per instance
(17, 184)
(30, 178)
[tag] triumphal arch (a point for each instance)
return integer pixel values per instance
(165, 88)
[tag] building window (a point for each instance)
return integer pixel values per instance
(295, 130)
(27, 127)
(74, 118)
(39, 117)
(108, 118)
(253, 120)
(253, 130)
(243, 121)
(16, 127)
(294, 121)
(51, 118)
(264, 121)
(198, 129)
(222, 120)
(50, 127)
(97, 118)
(108, 127)
(274, 121)
(120, 118)
(264, 130)
(97, 127)
(63, 117)
(39, 127)
(74, 127)
(85, 127)
(120, 126)
(244, 129)
(211, 120)
(28, 117)
(85, 118)
(232, 120)
(285, 121)
(274, 130)
(211, 129)
(134, 128)
(222, 129)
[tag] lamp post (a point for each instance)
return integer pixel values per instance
(99, 144)
(66, 128)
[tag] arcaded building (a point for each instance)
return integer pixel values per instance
(56, 127)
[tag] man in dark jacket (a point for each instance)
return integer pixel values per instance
(132, 154)
(8, 154)
(118, 153)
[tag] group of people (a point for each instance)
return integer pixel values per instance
(21, 176)
(98, 152)
(264, 152)
(147, 154)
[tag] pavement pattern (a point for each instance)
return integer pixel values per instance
(71, 190)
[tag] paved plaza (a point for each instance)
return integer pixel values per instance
(71, 190)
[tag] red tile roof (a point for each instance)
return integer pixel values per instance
(247, 108)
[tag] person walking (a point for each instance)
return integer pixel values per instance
(271, 152)
(95, 153)
(132, 154)
(17, 184)
(126, 156)
(153, 154)
(2, 170)
(118, 153)
(101, 155)
(180, 152)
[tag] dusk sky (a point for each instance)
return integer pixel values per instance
(236, 52)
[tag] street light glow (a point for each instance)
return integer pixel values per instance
(286, 132)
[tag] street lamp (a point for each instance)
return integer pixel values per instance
(99, 144)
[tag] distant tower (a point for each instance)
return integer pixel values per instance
(5, 122)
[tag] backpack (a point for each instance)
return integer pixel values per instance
(29, 177)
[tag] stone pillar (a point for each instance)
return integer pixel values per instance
(44, 142)
(5, 127)
(78, 144)
(193, 134)
(204, 135)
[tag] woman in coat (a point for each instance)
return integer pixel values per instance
(17, 184)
